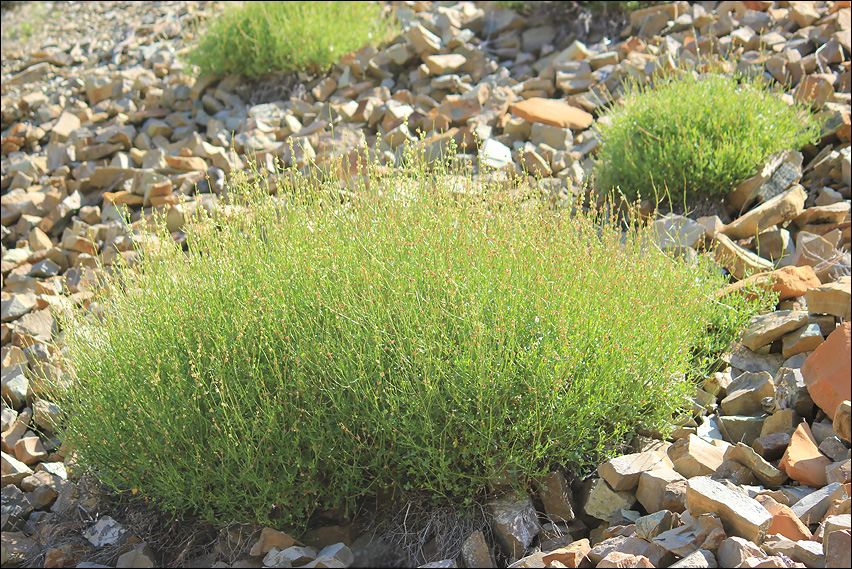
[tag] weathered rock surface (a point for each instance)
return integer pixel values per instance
(828, 369)
(741, 515)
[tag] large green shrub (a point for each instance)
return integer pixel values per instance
(304, 353)
(265, 37)
(687, 137)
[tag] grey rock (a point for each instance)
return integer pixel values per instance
(105, 531)
(813, 507)
(515, 523)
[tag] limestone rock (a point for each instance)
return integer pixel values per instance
(843, 420)
(792, 391)
(692, 456)
(746, 392)
(105, 532)
(515, 523)
(805, 339)
(623, 472)
(270, 538)
(650, 526)
(788, 282)
(475, 551)
(697, 559)
(338, 551)
(29, 449)
(784, 521)
(741, 515)
(766, 328)
(738, 261)
(783, 207)
(652, 487)
(735, 550)
(705, 532)
(673, 231)
(802, 460)
(616, 559)
(138, 557)
(837, 545)
(763, 471)
(827, 370)
(657, 555)
(574, 555)
(292, 556)
(811, 509)
(832, 298)
(16, 305)
(602, 502)
(555, 494)
(552, 112)
(16, 546)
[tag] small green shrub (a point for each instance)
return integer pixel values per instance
(689, 137)
(625, 6)
(303, 352)
(517, 5)
(265, 37)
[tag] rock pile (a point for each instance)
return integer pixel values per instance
(758, 475)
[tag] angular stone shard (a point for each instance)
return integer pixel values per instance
(515, 523)
(843, 420)
(555, 494)
(573, 555)
(831, 298)
(705, 532)
(764, 329)
(616, 559)
(741, 515)
(837, 545)
(602, 502)
(475, 551)
(631, 545)
(792, 392)
(652, 487)
(692, 456)
(767, 474)
(805, 339)
(697, 559)
(783, 207)
(802, 461)
(650, 526)
(740, 262)
(105, 532)
(746, 392)
(784, 521)
(788, 282)
(828, 368)
(812, 508)
(622, 473)
(674, 231)
(552, 112)
(270, 538)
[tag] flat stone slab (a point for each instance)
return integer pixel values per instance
(105, 532)
(741, 515)
(764, 329)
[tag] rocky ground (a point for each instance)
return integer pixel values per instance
(99, 111)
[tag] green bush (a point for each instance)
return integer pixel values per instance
(265, 37)
(305, 352)
(690, 137)
(625, 6)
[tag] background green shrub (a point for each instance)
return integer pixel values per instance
(305, 353)
(689, 137)
(265, 37)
